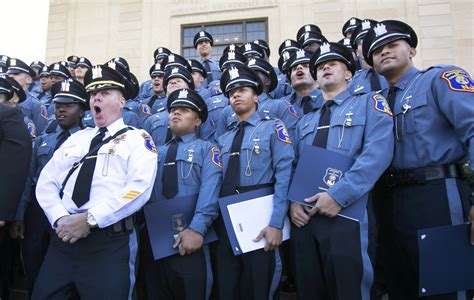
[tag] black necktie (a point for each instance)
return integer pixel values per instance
(321, 138)
(232, 173)
(170, 170)
(82, 187)
(62, 137)
(374, 81)
(305, 103)
(152, 102)
(392, 95)
(208, 70)
(169, 134)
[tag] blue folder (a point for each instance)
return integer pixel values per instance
(318, 169)
(223, 202)
(166, 218)
(446, 260)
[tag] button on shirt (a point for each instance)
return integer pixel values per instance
(122, 181)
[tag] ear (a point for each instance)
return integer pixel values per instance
(348, 75)
(122, 102)
(29, 80)
(412, 52)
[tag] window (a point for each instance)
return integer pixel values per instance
(223, 34)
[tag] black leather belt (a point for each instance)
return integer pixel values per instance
(422, 175)
(248, 188)
(124, 226)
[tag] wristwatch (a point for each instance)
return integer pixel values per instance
(91, 220)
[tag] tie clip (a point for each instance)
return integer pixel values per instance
(235, 153)
(324, 127)
(92, 156)
(170, 164)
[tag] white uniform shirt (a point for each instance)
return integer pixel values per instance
(123, 176)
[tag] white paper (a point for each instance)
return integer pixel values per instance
(249, 218)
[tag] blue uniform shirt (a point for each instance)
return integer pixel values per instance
(43, 150)
(145, 111)
(203, 91)
(157, 126)
(434, 117)
(361, 81)
(266, 156)
(295, 100)
(34, 110)
(360, 130)
(145, 91)
(216, 72)
(283, 88)
(199, 172)
(215, 108)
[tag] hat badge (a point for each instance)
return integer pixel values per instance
(248, 47)
(171, 58)
(4, 58)
(300, 53)
(13, 62)
(82, 59)
(325, 48)
(183, 94)
(347, 42)
(157, 66)
(201, 33)
(111, 65)
(65, 85)
(252, 62)
(96, 72)
(160, 50)
(35, 62)
(286, 55)
(174, 70)
(287, 43)
(380, 29)
(233, 73)
(256, 42)
(231, 55)
(232, 47)
(366, 25)
(56, 66)
(306, 35)
(352, 21)
(307, 28)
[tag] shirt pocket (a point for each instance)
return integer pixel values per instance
(255, 155)
(189, 164)
(112, 160)
(416, 109)
(346, 134)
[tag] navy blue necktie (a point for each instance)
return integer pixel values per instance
(232, 173)
(208, 70)
(170, 170)
(321, 138)
(62, 137)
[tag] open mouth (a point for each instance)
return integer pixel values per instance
(97, 109)
(61, 117)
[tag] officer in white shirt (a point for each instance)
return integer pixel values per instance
(89, 192)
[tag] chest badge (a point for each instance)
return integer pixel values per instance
(348, 120)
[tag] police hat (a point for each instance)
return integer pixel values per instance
(232, 47)
(178, 72)
(288, 45)
(57, 69)
(239, 76)
(264, 45)
(261, 65)
(37, 64)
(161, 52)
(17, 89)
(231, 58)
(202, 36)
(17, 66)
(135, 85)
(360, 31)
(298, 58)
(121, 61)
(157, 70)
(70, 91)
(252, 50)
(311, 37)
(350, 25)
(196, 66)
(4, 61)
(174, 60)
(6, 88)
(282, 61)
(84, 62)
(44, 72)
(307, 28)
(72, 61)
(332, 51)
(384, 33)
(111, 76)
(190, 99)
(3, 70)
(346, 42)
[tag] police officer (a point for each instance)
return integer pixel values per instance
(44, 96)
(251, 50)
(31, 225)
(433, 136)
(35, 88)
(311, 41)
(71, 65)
(14, 96)
(331, 254)
(349, 27)
(257, 153)
(31, 107)
(94, 244)
(146, 87)
(203, 42)
(305, 96)
(15, 155)
(197, 170)
(199, 74)
(365, 79)
(82, 66)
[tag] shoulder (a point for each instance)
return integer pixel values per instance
(137, 137)
(451, 77)
(281, 132)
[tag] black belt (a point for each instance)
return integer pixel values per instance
(248, 188)
(124, 226)
(422, 175)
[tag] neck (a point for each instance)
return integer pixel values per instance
(392, 78)
(205, 57)
(160, 93)
(246, 115)
(332, 93)
(306, 90)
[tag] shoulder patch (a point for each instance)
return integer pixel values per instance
(149, 145)
(458, 80)
(292, 110)
(216, 157)
(146, 109)
(282, 133)
(44, 112)
(381, 104)
(31, 129)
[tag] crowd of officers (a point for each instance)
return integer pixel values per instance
(104, 146)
